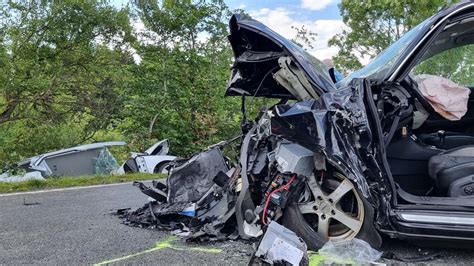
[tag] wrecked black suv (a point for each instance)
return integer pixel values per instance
(376, 153)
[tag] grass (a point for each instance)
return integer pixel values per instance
(62, 182)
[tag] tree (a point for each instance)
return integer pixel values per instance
(304, 37)
(63, 64)
(456, 64)
(58, 56)
(374, 25)
(179, 85)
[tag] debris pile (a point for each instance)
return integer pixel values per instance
(197, 202)
(200, 198)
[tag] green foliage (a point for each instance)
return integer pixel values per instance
(375, 24)
(64, 67)
(178, 87)
(57, 62)
(67, 76)
(24, 138)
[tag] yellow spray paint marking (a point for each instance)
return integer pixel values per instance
(315, 258)
(167, 243)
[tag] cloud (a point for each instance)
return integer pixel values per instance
(242, 6)
(316, 4)
(278, 19)
(281, 20)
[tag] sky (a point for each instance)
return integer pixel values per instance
(319, 16)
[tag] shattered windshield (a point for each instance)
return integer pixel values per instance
(385, 60)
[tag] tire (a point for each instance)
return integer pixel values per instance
(294, 220)
(161, 167)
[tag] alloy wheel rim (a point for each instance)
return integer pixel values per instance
(333, 219)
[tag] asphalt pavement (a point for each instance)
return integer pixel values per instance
(76, 226)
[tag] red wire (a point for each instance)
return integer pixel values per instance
(285, 187)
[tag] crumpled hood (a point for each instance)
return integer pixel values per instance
(261, 53)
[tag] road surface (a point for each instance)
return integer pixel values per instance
(76, 226)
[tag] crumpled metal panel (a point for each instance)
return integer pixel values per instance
(335, 125)
(248, 36)
(191, 180)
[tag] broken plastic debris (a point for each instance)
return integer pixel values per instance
(189, 211)
(280, 244)
(193, 178)
(349, 251)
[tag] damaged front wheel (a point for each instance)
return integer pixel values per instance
(331, 208)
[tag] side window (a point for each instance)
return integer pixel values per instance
(455, 64)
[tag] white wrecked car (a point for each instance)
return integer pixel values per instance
(154, 160)
(88, 159)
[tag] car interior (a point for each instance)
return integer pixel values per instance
(430, 156)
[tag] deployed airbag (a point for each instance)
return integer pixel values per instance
(446, 97)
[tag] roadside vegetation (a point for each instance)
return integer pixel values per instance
(64, 182)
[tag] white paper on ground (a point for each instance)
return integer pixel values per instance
(281, 250)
